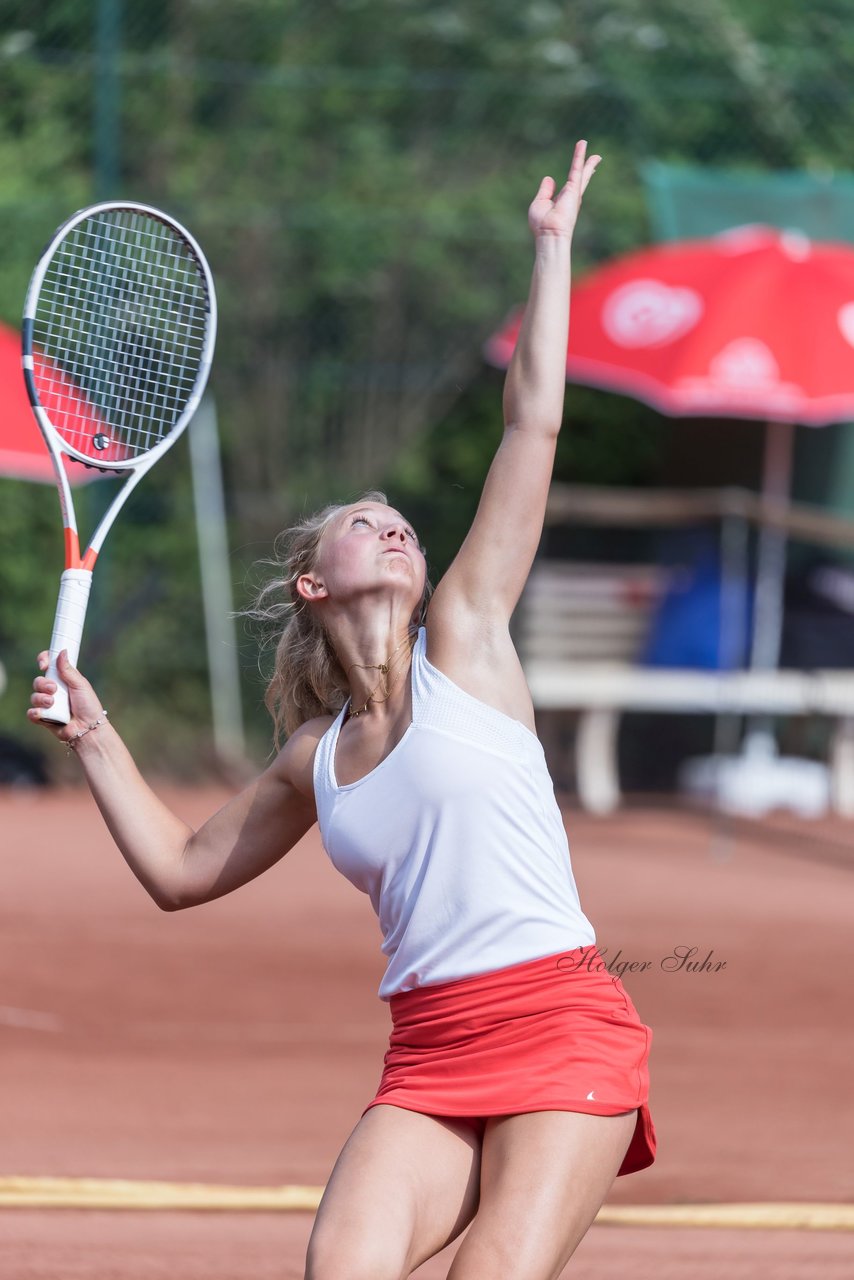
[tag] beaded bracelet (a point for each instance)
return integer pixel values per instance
(70, 742)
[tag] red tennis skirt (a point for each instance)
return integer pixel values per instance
(558, 1033)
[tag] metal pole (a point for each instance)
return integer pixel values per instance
(771, 552)
(733, 629)
(770, 578)
(107, 122)
(220, 632)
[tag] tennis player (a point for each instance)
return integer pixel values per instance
(515, 1086)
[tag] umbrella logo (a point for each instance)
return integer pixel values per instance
(745, 362)
(744, 376)
(648, 313)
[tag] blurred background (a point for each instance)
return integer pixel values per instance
(358, 174)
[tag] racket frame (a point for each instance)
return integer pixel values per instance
(55, 442)
(76, 580)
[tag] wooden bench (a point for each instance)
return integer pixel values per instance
(580, 629)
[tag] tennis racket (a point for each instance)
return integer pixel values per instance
(118, 337)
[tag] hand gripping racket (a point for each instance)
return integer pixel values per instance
(118, 337)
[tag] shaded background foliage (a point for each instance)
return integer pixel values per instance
(358, 173)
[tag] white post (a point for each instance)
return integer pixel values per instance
(220, 633)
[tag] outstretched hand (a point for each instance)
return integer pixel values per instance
(555, 214)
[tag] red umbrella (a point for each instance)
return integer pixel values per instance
(752, 323)
(23, 452)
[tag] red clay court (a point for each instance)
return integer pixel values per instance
(237, 1043)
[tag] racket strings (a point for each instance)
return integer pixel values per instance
(119, 333)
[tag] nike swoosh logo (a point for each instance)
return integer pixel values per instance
(590, 1095)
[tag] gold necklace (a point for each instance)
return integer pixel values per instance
(383, 668)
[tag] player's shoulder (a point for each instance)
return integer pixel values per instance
(474, 648)
(296, 758)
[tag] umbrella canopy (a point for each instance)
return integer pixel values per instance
(753, 323)
(23, 453)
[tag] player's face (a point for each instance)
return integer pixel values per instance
(369, 544)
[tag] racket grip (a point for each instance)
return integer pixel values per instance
(74, 588)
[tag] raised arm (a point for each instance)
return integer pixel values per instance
(489, 572)
(180, 867)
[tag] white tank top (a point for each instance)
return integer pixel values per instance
(456, 837)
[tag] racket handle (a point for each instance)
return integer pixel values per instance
(74, 588)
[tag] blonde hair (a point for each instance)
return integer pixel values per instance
(308, 680)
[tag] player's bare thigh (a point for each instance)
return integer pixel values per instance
(544, 1177)
(403, 1187)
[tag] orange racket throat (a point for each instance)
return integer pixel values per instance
(72, 552)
